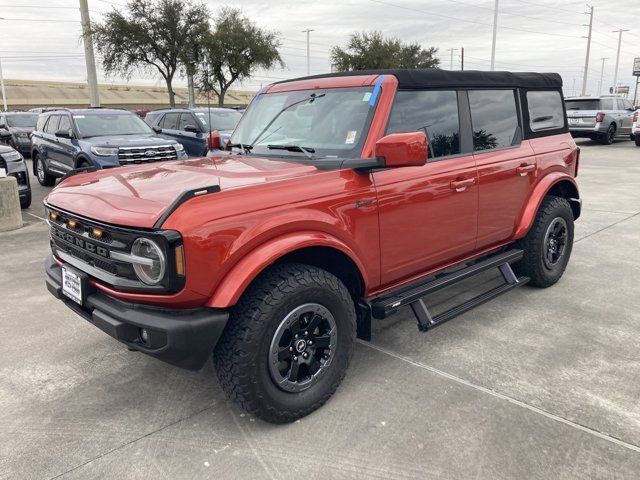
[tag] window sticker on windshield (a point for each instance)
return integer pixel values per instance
(366, 97)
(78, 116)
(351, 136)
(200, 114)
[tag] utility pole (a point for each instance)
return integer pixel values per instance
(4, 94)
(495, 31)
(601, 76)
(461, 58)
(92, 78)
(308, 31)
(586, 60)
(615, 75)
(451, 60)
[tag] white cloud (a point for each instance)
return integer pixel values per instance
(533, 35)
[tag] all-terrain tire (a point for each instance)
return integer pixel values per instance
(543, 273)
(241, 357)
(44, 178)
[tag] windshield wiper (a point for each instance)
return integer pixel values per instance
(294, 148)
(246, 149)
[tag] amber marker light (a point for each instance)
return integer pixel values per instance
(53, 216)
(180, 260)
(72, 223)
(97, 233)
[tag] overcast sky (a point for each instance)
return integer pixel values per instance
(40, 39)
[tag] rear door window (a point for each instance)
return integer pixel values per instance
(433, 111)
(52, 124)
(545, 110)
(170, 121)
(494, 118)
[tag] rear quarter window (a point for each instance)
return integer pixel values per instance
(545, 110)
(42, 119)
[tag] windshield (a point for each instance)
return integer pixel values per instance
(219, 119)
(103, 124)
(582, 104)
(328, 123)
(22, 121)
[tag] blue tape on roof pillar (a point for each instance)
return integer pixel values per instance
(376, 90)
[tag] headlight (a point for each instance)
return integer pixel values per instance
(178, 146)
(151, 271)
(104, 151)
(22, 135)
(12, 156)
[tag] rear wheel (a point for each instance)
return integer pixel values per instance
(608, 137)
(638, 140)
(547, 247)
(288, 343)
(43, 177)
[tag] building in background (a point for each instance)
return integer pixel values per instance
(26, 94)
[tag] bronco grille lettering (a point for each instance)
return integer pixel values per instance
(81, 243)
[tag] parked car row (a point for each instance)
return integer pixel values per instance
(60, 140)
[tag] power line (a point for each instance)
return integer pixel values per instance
(458, 19)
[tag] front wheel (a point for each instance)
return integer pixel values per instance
(638, 140)
(25, 202)
(288, 343)
(547, 247)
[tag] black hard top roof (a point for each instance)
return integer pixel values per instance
(437, 78)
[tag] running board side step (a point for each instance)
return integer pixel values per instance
(386, 305)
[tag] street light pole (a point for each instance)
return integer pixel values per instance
(586, 61)
(92, 77)
(615, 75)
(4, 94)
(308, 31)
(495, 31)
(451, 60)
(601, 76)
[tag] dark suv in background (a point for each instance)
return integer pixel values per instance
(16, 128)
(12, 162)
(103, 138)
(191, 127)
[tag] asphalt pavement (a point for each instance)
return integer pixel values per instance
(536, 384)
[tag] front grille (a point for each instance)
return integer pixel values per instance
(134, 155)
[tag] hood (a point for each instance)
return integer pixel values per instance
(128, 141)
(21, 129)
(138, 196)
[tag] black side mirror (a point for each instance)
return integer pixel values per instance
(157, 129)
(191, 128)
(64, 133)
(4, 134)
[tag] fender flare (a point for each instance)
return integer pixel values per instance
(234, 283)
(535, 199)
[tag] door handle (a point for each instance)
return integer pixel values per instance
(461, 185)
(524, 170)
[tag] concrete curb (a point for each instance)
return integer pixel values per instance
(10, 215)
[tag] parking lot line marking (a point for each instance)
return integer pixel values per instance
(33, 215)
(607, 227)
(502, 396)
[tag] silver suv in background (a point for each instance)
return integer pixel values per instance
(601, 118)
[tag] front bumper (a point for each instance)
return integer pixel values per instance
(184, 338)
